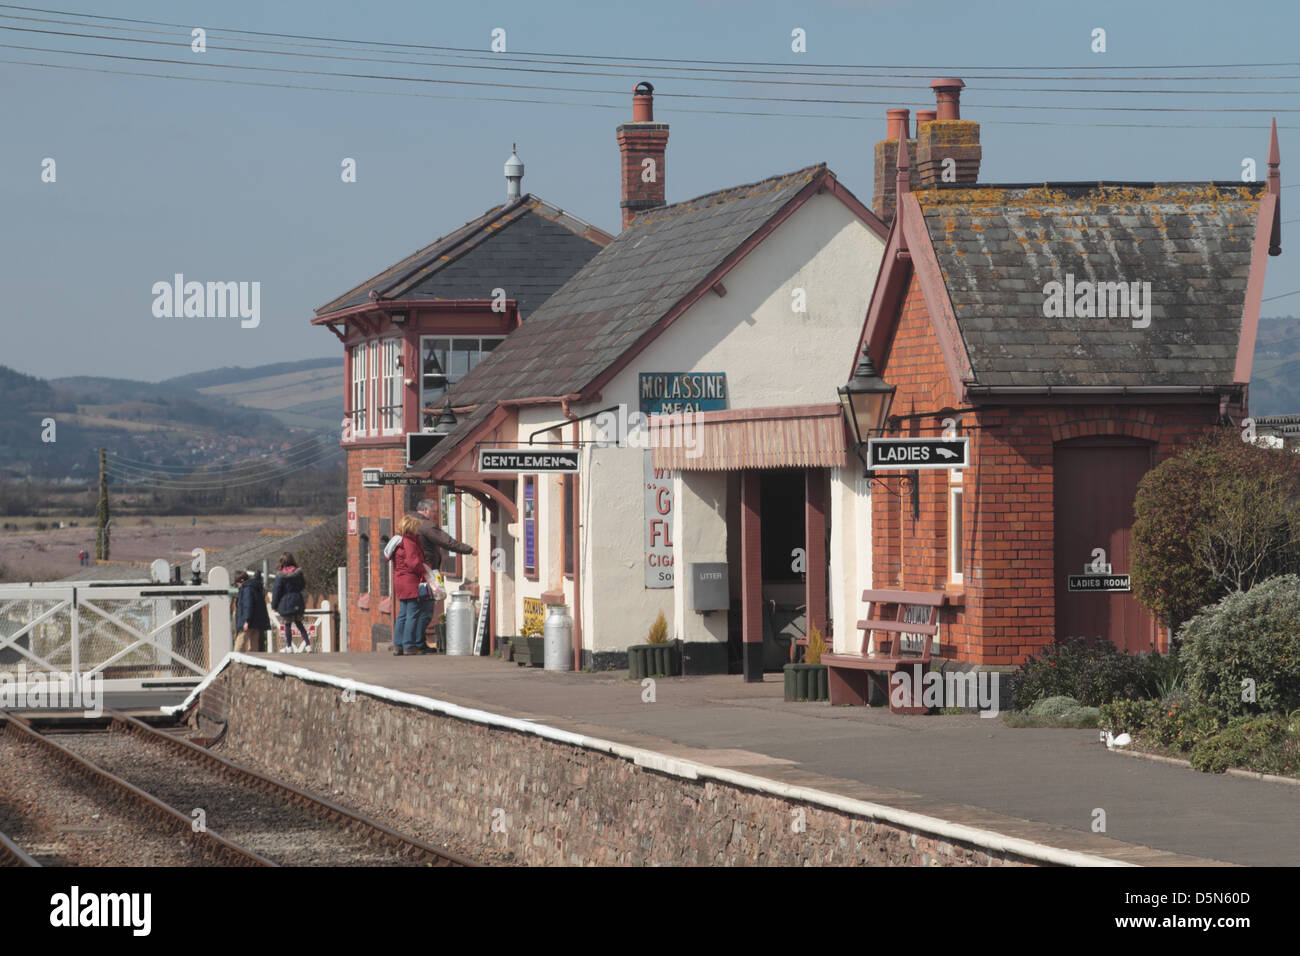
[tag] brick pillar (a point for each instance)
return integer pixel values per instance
(641, 146)
(815, 546)
(751, 574)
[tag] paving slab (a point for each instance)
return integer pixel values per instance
(1035, 783)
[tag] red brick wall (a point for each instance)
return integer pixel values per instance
(1005, 610)
(372, 503)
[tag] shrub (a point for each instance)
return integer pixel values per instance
(1221, 516)
(1093, 672)
(1248, 636)
(1263, 744)
(1180, 723)
(658, 631)
(816, 646)
(1128, 716)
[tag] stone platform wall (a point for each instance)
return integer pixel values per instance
(549, 803)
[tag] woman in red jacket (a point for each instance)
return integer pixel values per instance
(409, 571)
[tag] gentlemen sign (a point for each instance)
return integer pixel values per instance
(1099, 582)
(524, 461)
(663, 393)
(906, 454)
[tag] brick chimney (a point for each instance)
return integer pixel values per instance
(641, 145)
(886, 165)
(947, 136)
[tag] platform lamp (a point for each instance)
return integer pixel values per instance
(866, 399)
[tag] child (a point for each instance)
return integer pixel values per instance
(286, 596)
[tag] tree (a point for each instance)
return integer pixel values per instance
(1219, 517)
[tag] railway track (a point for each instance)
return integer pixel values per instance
(242, 810)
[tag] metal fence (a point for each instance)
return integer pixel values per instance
(133, 636)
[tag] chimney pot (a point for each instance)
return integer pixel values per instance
(643, 103)
(947, 95)
(897, 124)
(923, 117)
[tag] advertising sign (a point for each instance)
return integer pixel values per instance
(663, 393)
(658, 526)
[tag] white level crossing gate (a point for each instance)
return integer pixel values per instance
(133, 636)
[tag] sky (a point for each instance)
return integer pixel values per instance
(243, 183)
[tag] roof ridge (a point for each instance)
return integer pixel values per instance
(659, 212)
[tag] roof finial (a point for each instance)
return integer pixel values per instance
(514, 173)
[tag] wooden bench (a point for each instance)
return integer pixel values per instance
(850, 675)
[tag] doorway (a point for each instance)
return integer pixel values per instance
(1095, 481)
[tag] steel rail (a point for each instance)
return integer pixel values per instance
(11, 854)
(216, 848)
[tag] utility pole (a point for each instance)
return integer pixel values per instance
(101, 544)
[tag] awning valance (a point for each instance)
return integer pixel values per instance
(794, 436)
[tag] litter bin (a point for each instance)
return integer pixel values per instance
(557, 638)
(460, 625)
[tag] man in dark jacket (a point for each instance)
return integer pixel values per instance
(433, 539)
(251, 620)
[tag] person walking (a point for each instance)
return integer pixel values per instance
(251, 619)
(433, 540)
(409, 573)
(286, 596)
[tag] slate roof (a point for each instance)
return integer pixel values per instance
(526, 246)
(633, 282)
(999, 246)
(617, 297)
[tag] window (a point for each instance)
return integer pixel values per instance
(530, 526)
(955, 550)
(373, 383)
(385, 567)
(567, 491)
(359, 389)
(363, 555)
(391, 408)
(449, 521)
(445, 361)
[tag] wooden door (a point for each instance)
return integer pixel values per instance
(1095, 481)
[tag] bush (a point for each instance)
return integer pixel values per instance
(1248, 636)
(1181, 724)
(1263, 744)
(1093, 672)
(658, 631)
(1221, 516)
(1128, 716)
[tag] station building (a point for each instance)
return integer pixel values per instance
(1077, 334)
(719, 319)
(409, 334)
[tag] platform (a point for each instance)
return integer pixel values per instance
(1036, 785)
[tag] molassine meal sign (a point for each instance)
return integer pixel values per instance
(663, 393)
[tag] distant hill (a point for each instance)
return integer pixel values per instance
(1275, 378)
(307, 394)
(232, 374)
(239, 414)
